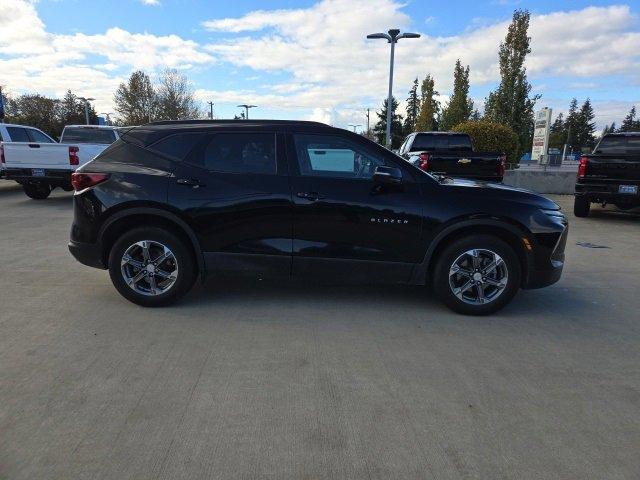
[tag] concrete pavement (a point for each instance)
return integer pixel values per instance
(256, 380)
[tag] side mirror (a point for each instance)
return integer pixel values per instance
(387, 175)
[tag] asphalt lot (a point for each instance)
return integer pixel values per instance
(257, 380)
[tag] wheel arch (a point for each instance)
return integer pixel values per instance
(123, 220)
(513, 235)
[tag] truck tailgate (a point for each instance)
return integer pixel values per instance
(465, 165)
(36, 155)
(613, 168)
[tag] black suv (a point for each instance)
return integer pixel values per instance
(173, 201)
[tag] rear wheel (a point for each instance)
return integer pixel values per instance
(37, 191)
(477, 275)
(581, 207)
(151, 267)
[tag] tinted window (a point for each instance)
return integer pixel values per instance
(177, 146)
(18, 134)
(619, 144)
(88, 135)
(38, 136)
(331, 156)
(441, 142)
(241, 153)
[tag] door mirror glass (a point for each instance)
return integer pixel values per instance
(387, 175)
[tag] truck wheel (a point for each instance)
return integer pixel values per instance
(581, 207)
(477, 275)
(37, 191)
(152, 267)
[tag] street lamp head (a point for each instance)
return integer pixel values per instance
(409, 35)
(393, 33)
(379, 35)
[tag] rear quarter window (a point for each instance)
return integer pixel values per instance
(177, 146)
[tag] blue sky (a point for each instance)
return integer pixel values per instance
(309, 59)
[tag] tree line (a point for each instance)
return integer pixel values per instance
(137, 101)
(510, 105)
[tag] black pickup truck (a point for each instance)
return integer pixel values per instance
(451, 154)
(611, 174)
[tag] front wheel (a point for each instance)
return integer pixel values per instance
(37, 191)
(477, 275)
(152, 267)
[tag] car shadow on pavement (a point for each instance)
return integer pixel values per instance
(612, 213)
(392, 302)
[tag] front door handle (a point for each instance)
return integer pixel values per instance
(311, 196)
(190, 182)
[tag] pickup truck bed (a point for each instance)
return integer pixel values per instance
(610, 175)
(452, 154)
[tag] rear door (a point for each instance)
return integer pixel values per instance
(345, 224)
(234, 190)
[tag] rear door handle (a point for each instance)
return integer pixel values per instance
(190, 182)
(311, 196)
(34, 145)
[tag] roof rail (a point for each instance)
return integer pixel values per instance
(245, 122)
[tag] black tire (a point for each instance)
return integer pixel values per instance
(581, 207)
(446, 259)
(37, 191)
(184, 263)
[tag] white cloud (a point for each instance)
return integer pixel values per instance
(151, 2)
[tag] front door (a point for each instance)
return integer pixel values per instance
(234, 190)
(344, 223)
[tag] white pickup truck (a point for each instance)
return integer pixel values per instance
(39, 164)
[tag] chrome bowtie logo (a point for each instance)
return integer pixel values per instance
(395, 221)
(464, 160)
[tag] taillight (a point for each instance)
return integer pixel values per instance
(80, 180)
(582, 167)
(73, 156)
(502, 159)
(2, 153)
(424, 161)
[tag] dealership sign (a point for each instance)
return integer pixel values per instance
(541, 136)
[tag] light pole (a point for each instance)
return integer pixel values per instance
(211, 110)
(86, 107)
(392, 37)
(246, 109)
(107, 117)
(355, 126)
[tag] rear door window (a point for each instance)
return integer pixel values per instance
(99, 136)
(18, 134)
(38, 137)
(240, 153)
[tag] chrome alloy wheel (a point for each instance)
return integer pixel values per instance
(149, 267)
(478, 276)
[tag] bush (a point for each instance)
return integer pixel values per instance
(491, 137)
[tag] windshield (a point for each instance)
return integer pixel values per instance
(612, 144)
(88, 135)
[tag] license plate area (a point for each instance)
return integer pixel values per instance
(37, 172)
(628, 189)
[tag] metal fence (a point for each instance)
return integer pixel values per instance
(554, 163)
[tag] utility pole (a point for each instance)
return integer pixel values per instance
(391, 37)
(1, 106)
(210, 110)
(368, 112)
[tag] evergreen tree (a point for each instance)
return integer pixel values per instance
(511, 103)
(630, 124)
(557, 132)
(571, 124)
(413, 107)
(585, 127)
(460, 106)
(135, 100)
(429, 106)
(72, 110)
(380, 128)
(475, 116)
